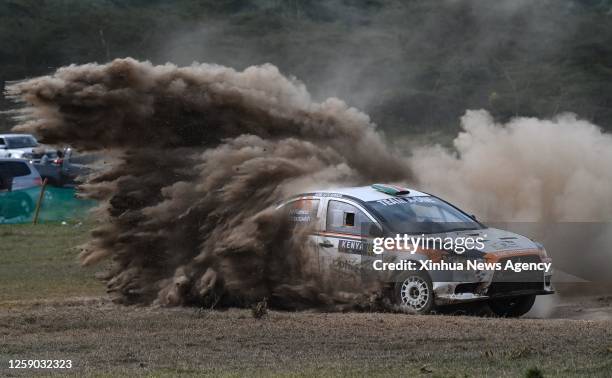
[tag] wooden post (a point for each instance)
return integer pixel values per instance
(40, 200)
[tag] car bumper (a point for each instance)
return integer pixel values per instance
(447, 293)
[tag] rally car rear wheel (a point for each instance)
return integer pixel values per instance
(415, 293)
(512, 307)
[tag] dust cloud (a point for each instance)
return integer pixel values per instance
(548, 179)
(527, 170)
(205, 153)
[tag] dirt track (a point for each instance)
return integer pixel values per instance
(101, 337)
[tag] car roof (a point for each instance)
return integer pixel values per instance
(367, 193)
(3, 160)
(15, 135)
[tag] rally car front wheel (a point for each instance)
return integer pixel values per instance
(414, 293)
(512, 307)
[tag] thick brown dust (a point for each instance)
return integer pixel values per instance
(206, 152)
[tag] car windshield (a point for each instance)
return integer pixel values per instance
(422, 215)
(20, 141)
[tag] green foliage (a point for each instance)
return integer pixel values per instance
(415, 66)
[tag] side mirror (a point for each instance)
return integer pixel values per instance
(473, 216)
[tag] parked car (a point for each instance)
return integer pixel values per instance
(58, 168)
(17, 176)
(344, 222)
(19, 146)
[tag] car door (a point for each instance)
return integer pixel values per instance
(343, 247)
(305, 211)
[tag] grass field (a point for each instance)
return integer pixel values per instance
(40, 263)
(52, 309)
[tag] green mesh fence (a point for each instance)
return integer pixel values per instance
(59, 204)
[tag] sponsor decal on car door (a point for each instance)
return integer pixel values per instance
(305, 212)
(343, 248)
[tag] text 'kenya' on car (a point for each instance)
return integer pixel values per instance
(345, 222)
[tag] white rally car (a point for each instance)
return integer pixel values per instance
(347, 221)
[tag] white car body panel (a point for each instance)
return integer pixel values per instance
(31, 180)
(15, 153)
(498, 244)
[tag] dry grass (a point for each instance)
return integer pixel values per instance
(40, 262)
(102, 338)
(60, 316)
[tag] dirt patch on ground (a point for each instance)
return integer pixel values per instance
(103, 338)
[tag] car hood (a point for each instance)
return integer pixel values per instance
(21, 151)
(36, 152)
(496, 241)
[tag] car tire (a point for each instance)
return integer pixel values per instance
(512, 307)
(413, 292)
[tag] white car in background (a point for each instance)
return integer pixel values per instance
(18, 146)
(16, 202)
(18, 174)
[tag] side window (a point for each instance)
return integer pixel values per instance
(13, 169)
(2, 141)
(346, 218)
(303, 210)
